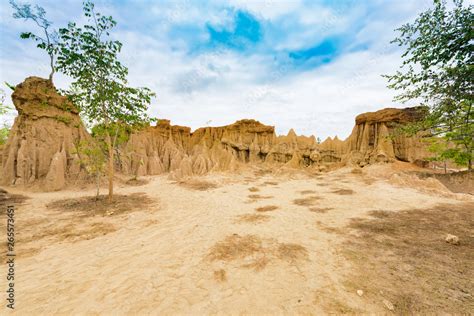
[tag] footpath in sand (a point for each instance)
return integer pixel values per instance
(254, 243)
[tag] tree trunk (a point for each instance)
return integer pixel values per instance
(111, 167)
(111, 173)
(97, 185)
(52, 69)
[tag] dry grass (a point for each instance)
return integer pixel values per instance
(256, 253)
(151, 222)
(236, 247)
(292, 252)
(7, 199)
(343, 191)
(267, 208)
(308, 201)
(368, 181)
(59, 232)
(71, 232)
(220, 275)
(270, 183)
(328, 299)
(304, 192)
(198, 185)
(249, 179)
(259, 197)
(90, 206)
(78, 219)
(321, 210)
(254, 189)
(262, 172)
(136, 182)
(360, 176)
(410, 261)
(252, 218)
(258, 264)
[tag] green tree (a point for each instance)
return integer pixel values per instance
(121, 134)
(438, 71)
(49, 40)
(93, 159)
(100, 88)
(4, 109)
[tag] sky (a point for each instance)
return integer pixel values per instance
(307, 65)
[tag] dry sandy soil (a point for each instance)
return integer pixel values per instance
(254, 243)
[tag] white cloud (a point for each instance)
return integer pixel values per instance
(222, 87)
(323, 102)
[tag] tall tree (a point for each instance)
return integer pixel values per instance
(100, 90)
(48, 41)
(438, 70)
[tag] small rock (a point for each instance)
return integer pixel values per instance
(388, 304)
(360, 292)
(452, 239)
(110, 213)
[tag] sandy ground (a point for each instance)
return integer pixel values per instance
(162, 260)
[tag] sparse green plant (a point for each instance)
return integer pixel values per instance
(66, 106)
(4, 109)
(64, 119)
(93, 159)
(10, 86)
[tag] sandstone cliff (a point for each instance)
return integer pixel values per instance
(168, 148)
(175, 149)
(40, 148)
(374, 137)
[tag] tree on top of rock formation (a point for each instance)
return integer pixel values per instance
(438, 69)
(38, 15)
(99, 85)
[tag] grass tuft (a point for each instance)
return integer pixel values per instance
(267, 208)
(308, 201)
(252, 218)
(343, 191)
(198, 185)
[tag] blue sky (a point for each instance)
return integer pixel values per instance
(307, 65)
